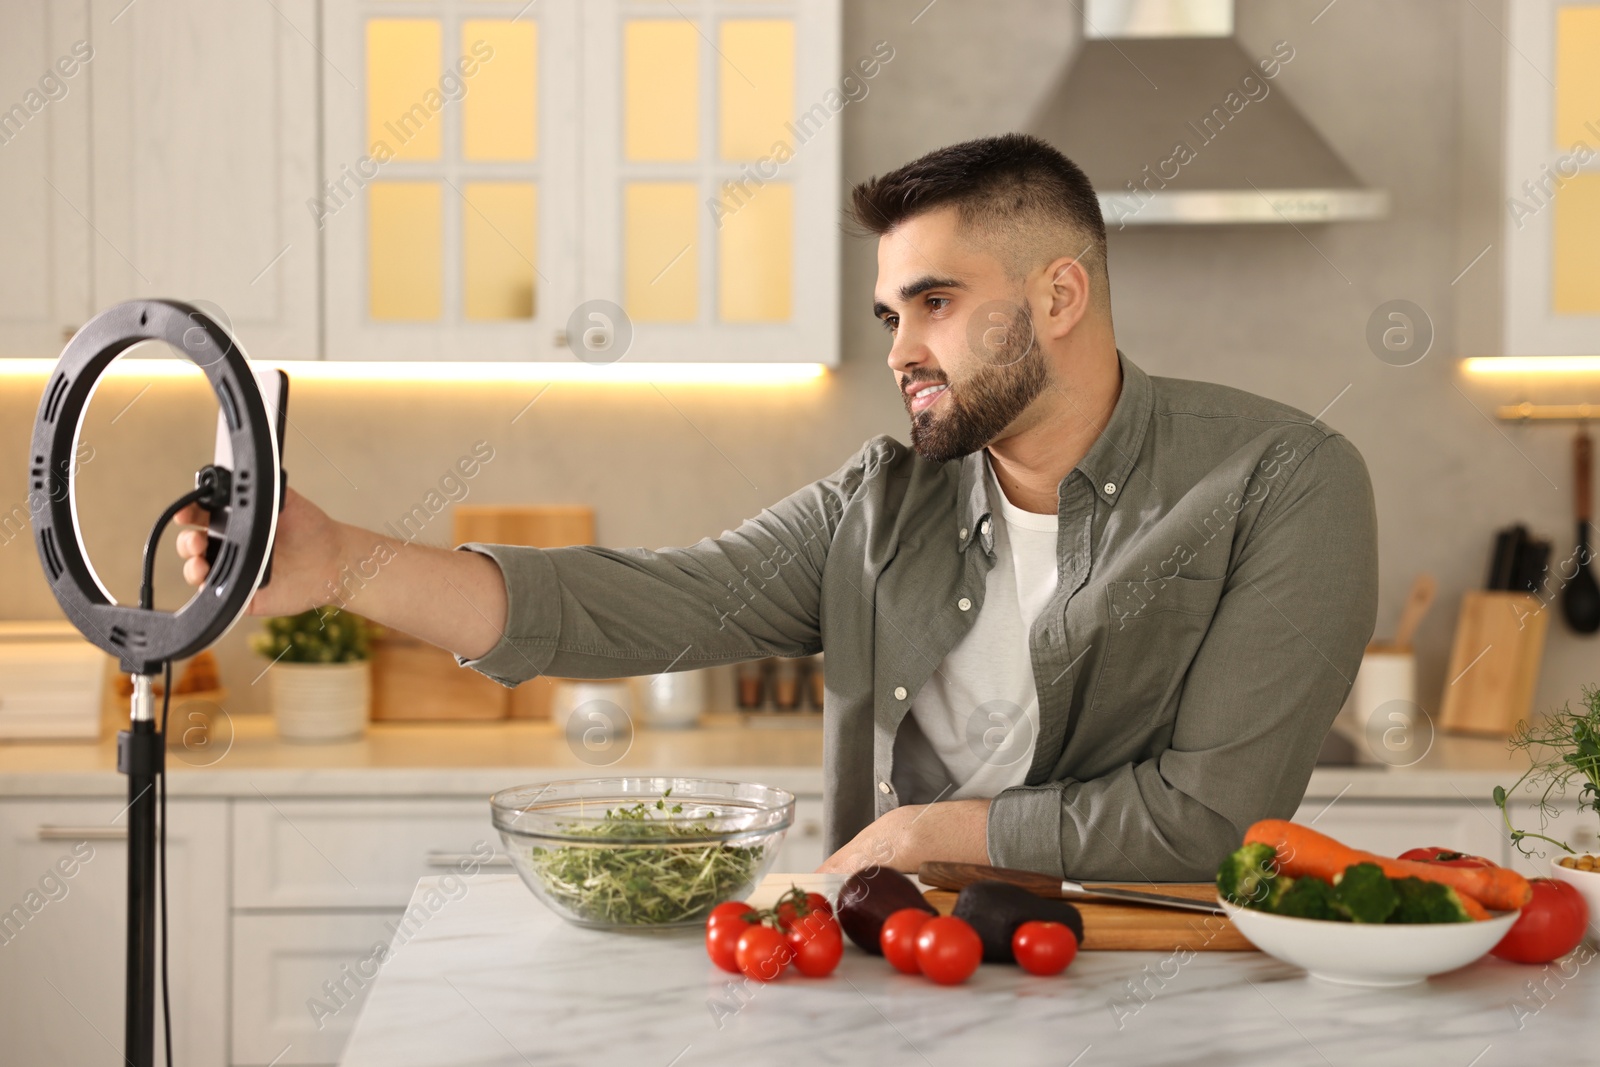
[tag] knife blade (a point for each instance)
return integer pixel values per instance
(958, 876)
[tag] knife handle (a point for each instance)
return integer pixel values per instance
(958, 876)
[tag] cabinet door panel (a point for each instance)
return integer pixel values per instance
(350, 853)
(62, 936)
(299, 982)
(205, 120)
(44, 175)
(1392, 827)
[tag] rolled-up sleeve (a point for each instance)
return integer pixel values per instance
(1259, 696)
(590, 612)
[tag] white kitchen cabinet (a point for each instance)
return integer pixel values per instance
(1391, 827)
(62, 956)
(803, 849)
(299, 981)
(44, 175)
(204, 149)
(351, 853)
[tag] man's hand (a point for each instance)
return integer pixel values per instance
(456, 600)
(952, 830)
(306, 556)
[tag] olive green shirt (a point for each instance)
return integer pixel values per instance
(1217, 583)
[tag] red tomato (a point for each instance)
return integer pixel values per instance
(1445, 857)
(722, 942)
(732, 910)
(762, 953)
(948, 949)
(1550, 926)
(818, 902)
(898, 938)
(820, 953)
(803, 928)
(1044, 948)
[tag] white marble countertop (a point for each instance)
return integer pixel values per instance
(243, 757)
(494, 978)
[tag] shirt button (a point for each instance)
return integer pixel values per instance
(963, 534)
(883, 787)
(964, 604)
(1111, 487)
(899, 692)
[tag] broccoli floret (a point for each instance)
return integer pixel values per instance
(1246, 876)
(1307, 898)
(1427, 902)
(1365, 894)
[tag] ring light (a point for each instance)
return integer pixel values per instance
(144, 639)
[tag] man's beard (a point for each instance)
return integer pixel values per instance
(985, 402)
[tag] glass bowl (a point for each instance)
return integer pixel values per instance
(623, 853)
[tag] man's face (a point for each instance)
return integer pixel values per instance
(963, 352)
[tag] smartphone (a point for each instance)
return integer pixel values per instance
(274, 386)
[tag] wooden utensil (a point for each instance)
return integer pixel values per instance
(1423, 589)
(1580, 600)
(1494, 662)
(960, 875)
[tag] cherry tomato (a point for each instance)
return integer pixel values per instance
(818, 902)
(948, 949)
(722, 941)
(1550, 926)
(898, 938)
(762, 953)
(1445, 857)
(1044, 948)
(819, 954)
(803, 928)
(732, 910)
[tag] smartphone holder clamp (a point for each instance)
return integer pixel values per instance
(244, 502)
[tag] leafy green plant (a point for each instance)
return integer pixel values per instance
(1563, 747)
(321, 635)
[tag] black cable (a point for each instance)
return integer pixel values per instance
(161, 862)
(146, 593)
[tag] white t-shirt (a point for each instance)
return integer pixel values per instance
(980, 710)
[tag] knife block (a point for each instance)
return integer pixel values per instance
(1494, 662)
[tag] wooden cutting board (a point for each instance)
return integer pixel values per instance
(1136, 928)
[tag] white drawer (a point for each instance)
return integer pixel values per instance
(283, 1012)
(352, 853)
(1391, 827)
(803, 849)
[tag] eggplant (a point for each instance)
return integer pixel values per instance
(996, 909)
(869, 897)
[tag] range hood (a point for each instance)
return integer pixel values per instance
(1176, 124)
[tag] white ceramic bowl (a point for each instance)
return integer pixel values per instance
(1370, 954)
(1588, 884)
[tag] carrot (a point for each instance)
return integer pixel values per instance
(1303, 851)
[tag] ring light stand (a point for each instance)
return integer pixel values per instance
(243, 501)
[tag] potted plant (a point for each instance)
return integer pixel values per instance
(320, 677)
(1564, 750)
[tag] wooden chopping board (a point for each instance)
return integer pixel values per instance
(1111, 927)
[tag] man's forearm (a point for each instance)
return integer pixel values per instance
(456, 600)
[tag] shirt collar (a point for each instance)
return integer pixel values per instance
(1107, 464)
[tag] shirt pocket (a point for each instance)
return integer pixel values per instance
(1152, 632)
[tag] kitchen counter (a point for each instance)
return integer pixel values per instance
(493, 977)
(474, 759)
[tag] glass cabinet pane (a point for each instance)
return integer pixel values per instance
(661, 90)
(755, 253)
(404, 59)
(661, 263)
(499, 227)
(405, 251)
(755, 85)
(1577, 74)
(1575, 281)
(500, 111)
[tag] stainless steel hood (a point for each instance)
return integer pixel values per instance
(1176, 124)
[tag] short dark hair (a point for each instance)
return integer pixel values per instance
(995, 184)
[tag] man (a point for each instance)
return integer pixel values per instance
(1091, 623)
